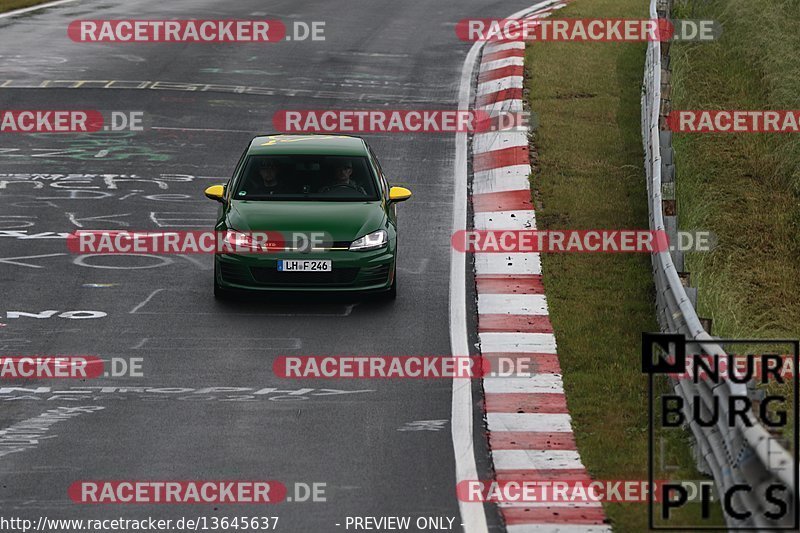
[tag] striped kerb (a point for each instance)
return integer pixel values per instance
(529, 427)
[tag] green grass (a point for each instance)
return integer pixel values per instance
(743, 187)
(10, 5)
(589, 174)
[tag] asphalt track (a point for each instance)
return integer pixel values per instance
(194, 414)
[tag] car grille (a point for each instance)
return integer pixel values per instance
(271, 276)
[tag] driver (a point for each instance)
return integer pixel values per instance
(266, 180)
(342, 179)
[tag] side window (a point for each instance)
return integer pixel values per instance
(231, 182)
(381, 176)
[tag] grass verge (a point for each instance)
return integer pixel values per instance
(744, 187)
(589, 174)
(11, 5)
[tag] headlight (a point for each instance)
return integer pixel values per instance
(373, 241)
(240, 242)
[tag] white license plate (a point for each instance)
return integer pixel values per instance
(304, 265)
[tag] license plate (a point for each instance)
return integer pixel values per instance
(304, 265)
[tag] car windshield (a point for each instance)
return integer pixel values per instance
(306, 177)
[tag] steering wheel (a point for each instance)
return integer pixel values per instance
(340, 186)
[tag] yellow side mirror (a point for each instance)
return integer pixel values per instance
(215, 192)
(399, 194)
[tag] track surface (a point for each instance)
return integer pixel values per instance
(165, 426)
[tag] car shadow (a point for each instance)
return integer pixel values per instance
(302, 303)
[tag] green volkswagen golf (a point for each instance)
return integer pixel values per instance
(328, 200)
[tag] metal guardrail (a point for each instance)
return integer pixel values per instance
(732, 455)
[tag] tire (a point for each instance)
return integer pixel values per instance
(219, 292)
(391, 294)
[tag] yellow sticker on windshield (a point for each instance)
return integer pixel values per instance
(275, 139)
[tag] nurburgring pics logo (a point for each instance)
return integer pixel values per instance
(726, 394)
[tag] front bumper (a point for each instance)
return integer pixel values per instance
(351, 271)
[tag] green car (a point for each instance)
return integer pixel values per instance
(328, 198)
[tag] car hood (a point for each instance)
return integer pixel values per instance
(342, 221)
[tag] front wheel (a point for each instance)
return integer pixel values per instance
(391, 294)
(220, 293)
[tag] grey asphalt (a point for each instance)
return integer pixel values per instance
(195, 414)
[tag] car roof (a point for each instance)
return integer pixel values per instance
(307, 144)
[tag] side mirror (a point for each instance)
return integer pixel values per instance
(399, 194)
(216, 192)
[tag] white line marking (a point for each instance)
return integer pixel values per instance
(540, 15)
(518, 342)
(209, 130)
(512, 304)
(168, 222)
(30, 433)
(140, 343)
(10, 260)
(540, 422)
(196, 261)
(423, 425)
(423, 265)
(347, 310)
(217, 343)
(473, 517)
(146, 301)
(264, 314)
(536, 459)
(34, 8)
